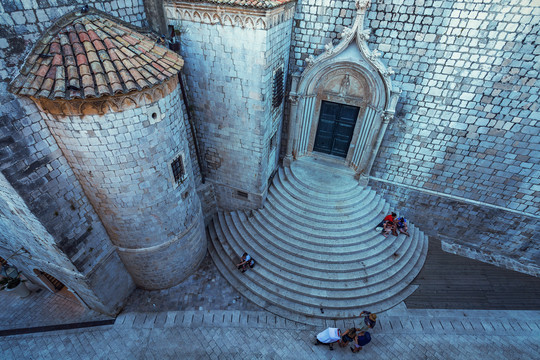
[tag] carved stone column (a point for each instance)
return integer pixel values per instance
(362, 173)
(292, 128)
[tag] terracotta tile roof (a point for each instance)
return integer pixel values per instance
(258, 4)
(93, 55)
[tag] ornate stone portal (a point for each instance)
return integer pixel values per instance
(349, 74)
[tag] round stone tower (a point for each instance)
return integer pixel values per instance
(111, 98)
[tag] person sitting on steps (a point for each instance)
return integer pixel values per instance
(389, 227)
(246, 261)
(390, 217)
(402, 226)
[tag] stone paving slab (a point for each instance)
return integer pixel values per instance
(255, 335)
(42, 308)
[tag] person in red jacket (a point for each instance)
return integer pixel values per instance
(388, 224)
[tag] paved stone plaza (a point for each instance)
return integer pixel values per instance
(258, 335)
(205, 318)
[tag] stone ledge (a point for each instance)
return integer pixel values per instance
(494, 259)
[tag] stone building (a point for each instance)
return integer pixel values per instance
(105, 184)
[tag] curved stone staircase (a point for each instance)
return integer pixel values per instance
(316, 247)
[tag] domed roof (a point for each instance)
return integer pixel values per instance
(90, 54)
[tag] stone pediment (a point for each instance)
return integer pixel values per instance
(353, 49)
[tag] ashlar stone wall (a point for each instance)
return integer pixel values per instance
(36, 169)
(26, 244)
(461, 157)
(123, 160)
(230, 57)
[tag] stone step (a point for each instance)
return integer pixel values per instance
(333, 213)
(305, 254)
(309, 194)
(373, 268)
(282, 190)
(326, 235)
(378, 278)
(321, 176)
(304, 313)
(299, 243)
(279, 266)
(315, 246)
(282, 219)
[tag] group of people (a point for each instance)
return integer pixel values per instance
(392, 224)
(357, 337)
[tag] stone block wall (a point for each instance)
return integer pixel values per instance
(123, 160)
(29, 246)
(277, 51)
(229, 68)
(467, 122)
(35, 167)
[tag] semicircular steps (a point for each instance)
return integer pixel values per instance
(316, 248)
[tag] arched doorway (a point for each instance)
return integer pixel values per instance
(56, 286)
(342, 102)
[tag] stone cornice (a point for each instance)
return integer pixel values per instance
(109, 104)
(230, 16)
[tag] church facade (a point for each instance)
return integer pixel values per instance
(107, 184)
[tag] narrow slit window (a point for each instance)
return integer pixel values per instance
(277, 93)
(178, 169)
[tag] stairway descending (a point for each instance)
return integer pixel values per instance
(316, 247)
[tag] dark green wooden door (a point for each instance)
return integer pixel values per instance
(336, 125)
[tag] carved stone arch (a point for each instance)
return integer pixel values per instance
(206, 18)
(260, 24)
(197, 17)
(248, 23)
(216, 19)
(227, 21)
(238, 21)
(170, 12)
(128, 103)
(349, 74)
(186, 15)
(105, 107)
(146, 98)
(159, 93)
(90, 108)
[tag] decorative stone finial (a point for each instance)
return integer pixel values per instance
(293, 99)
(362, 4)
(387, 116)
(375, 54)
(346, 32)
(329, 47)
(364, 34)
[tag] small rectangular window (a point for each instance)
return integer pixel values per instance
(277, 92)
(242, 194)
(178, 169)
(273, 141)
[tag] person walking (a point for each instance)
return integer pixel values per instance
(369, 320)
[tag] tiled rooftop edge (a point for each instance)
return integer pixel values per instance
(255, 4)
(91, 54)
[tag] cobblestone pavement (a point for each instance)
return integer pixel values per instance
(206, 289)
(406, 334)
(205, 318)
(42, 308)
